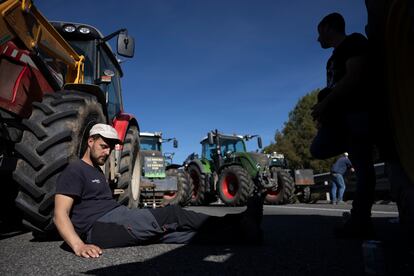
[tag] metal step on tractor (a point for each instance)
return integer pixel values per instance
(57, 79)
(227, 171)
(162, 182)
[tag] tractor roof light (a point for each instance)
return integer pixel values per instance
(69, 28)
(84, 30)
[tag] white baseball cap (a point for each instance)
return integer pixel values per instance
(106, 131)
(346, 154)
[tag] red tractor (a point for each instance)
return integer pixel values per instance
(57, 80)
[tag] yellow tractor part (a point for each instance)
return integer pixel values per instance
(20, 19)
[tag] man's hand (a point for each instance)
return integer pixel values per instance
(63, 205)
(87, 251)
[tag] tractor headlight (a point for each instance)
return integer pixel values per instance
(84, 30)
(69, 28)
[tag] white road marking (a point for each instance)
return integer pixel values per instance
(328, 209)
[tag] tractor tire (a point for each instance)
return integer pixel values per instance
(130, 170)
(198, 185)
(284, 193)
(183, 194)
(234, 186)
(56, 133)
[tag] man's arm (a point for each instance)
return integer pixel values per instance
(356, 68)
(63, 205)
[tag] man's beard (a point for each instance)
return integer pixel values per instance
(99, 160)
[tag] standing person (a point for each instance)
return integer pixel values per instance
(338, 170)
(88, 218)
(342, 115)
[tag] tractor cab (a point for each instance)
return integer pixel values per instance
(88, 42)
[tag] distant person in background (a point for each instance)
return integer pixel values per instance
(338, 170)
(342, 116)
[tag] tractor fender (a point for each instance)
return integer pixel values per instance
(122, 122)
(200, 166)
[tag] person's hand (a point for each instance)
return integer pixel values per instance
(88, 251)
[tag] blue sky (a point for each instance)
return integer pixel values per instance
(238, 66)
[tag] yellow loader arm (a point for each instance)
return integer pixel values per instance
(20, 19)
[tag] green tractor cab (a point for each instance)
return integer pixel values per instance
(162, 182)
(226, 170)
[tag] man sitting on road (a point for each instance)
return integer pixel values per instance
(88, 218)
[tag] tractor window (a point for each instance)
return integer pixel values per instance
(150, 143)
(111, 86)
(232, 145)
(86, 48)
(207, 151)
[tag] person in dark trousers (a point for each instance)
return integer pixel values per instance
(89, 219)
(338, 170)
(342, 115)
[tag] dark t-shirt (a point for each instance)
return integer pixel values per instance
(91, 193)
(353, 45)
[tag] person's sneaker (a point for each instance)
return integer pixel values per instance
(341, 202)
(353, 229)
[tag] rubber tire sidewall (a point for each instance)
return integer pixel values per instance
(130, 169)
(56, 130)
(244, 183)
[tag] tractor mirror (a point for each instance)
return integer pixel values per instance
(126, 45)
(210, 139)
(259, 142)
(175, 143)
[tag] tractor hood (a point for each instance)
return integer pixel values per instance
(260, 158)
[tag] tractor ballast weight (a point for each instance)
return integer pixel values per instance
(57, 79)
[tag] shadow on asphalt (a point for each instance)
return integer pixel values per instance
(293, 245)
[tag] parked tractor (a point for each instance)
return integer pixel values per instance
(293, 184)
(57, 80)
(226, 170)
(162, 182)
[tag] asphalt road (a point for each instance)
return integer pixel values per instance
(298, 241)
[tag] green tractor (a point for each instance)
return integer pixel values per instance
(162, 182)
(292, 184)
(226, 170)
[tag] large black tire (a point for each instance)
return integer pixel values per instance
(284, 194)
(56, 134)
(184, 189)
(234, 186)
(198, 185)
(130, 170)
